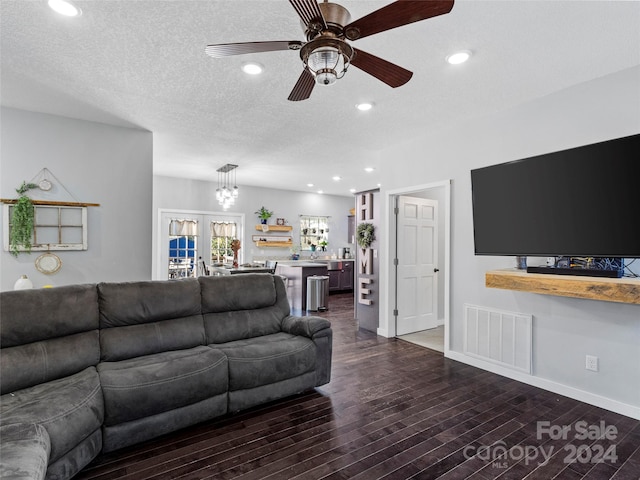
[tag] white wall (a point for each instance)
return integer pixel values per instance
(97, 163)
(564, 329)
(196, 195)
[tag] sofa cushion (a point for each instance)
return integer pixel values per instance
(242, 306)
(143, 318)
(268, 359)
(39, 362)
(38, 328)
(24, 451)
(70, 409)
(29, 316)
(152, 384)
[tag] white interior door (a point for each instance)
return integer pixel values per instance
(417, 253)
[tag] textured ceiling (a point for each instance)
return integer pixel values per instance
(142, 63)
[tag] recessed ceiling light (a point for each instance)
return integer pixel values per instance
(369, 169)
(320, 192)
(252, 68)
(309, 184)
(352, 190)
(64, 7)
(363, 107)
(459, 57)
(336, 178)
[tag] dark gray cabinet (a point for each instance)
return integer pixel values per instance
(342, 279)
(346, 276)
(334, 280)
(351, 229)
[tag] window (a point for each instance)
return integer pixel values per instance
(183, 247)
(222, 233)
(314, 232)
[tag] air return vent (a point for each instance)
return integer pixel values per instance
(499, 337)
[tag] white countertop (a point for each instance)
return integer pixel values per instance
(317, 260)
(302, 263)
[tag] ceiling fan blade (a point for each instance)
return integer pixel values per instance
(385, 71)
(228, 49)
(396, 14)
(303, 88)
(309, 12)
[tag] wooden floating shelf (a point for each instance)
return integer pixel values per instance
(52, 203)
(275, 228)
(621, 290)
(274, 244)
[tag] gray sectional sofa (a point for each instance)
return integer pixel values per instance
(86, 369)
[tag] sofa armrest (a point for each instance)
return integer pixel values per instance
(304, 326)
(24, 451)
(319, 331)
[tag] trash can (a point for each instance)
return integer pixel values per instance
(317, 293)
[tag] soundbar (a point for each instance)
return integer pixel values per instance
(582, 272)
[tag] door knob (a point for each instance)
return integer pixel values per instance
(436, 270)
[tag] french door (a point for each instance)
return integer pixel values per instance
(191, 241)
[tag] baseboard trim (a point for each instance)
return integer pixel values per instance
(571, 392)
(383, 332)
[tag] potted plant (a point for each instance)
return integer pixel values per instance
(323, 245)
(264, 215)
(22, 216)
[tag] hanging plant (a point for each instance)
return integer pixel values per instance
(365, 235)
(22, 217)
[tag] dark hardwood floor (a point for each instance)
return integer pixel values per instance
(394, 410)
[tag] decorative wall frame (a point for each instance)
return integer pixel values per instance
(57, 226)
(53, 225)
(48, 263)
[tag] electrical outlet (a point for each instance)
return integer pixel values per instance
(591, 363)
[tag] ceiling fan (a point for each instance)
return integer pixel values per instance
(327, 55)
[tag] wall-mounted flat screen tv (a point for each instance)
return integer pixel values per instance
(584, 201)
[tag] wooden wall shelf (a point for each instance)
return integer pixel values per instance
(622, 290)
(274, 244)
(275, 228)
(11, 201)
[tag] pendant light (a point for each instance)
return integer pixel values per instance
(226, 195)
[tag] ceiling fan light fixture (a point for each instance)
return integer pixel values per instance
(459, 57)
(252, 68)
(64, 7)
(323, 62)
(327, 59)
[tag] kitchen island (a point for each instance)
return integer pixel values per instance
(297, 272)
